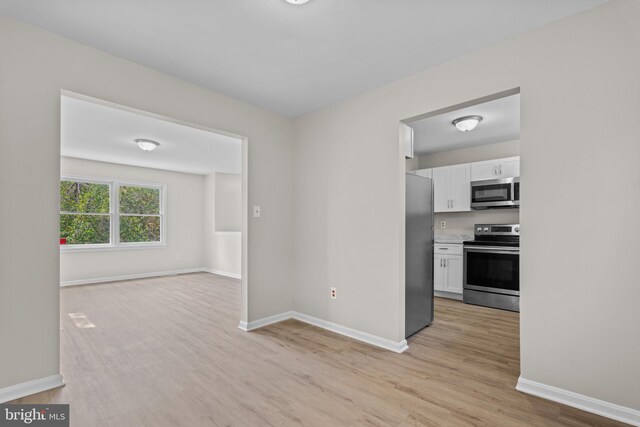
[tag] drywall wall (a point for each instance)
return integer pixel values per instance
(183, 217)
(463, 222)
(222, 252)
(580, 98)
(34, 67)
(498, 150)
(228, 202)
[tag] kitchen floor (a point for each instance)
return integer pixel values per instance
(167, 351)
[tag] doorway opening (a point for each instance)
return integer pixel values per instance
(147, 196)
(461, 210)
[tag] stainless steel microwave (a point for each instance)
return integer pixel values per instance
(495, 193)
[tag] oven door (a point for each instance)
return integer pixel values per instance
(493, 193)
(492, 269)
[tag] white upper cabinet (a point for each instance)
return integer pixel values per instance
(452, 188)
(406, 138)
(495, 169)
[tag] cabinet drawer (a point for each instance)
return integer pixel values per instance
(447, 249)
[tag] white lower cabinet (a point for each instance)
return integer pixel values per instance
(447, 268)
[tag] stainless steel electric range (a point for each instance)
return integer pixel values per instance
(492, 267)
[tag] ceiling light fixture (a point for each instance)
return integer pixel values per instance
(466, 123)
(147, 144)
(297, 2)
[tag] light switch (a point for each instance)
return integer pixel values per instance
(256, 211)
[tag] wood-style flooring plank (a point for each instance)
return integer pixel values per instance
(167, 352)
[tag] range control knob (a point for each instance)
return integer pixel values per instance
(486, 229)
(517, 229)
(479, 229)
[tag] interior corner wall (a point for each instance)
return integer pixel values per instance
(222, 221)
(183, 216)
(35, 66)
(580, 99)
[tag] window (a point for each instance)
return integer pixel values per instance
(110, 214)
(85, 212)
(139, 214)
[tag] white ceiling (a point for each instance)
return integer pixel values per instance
(286, 58)
(98, 132)
(500, 122)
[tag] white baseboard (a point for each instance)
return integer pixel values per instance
(450, 295)
(396, 347)
(256, 324)
(28, 388)
(580, 401)
(130, 277)
(223, 273)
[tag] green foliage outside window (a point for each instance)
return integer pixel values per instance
(77, 201)
(85, 213)
(136, 206)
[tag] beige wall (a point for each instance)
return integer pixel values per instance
(463, 222)
(228, 202)
(580, 154)
(183, 217)
(222, 250)
(34, 66)
(498, 150)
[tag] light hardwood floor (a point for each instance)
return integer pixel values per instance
(167, 351)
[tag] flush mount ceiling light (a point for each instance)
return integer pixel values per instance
(297, 1)
(467, 123)
(147, 144)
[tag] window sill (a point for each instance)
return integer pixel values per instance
(109, 248)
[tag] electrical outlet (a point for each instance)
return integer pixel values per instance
(333, 293)
(443, 224)
(256, 211)
(179, 257)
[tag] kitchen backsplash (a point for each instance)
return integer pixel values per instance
(463, 222)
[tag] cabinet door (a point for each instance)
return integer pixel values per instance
(481, 171)
(460, 188)
(406, 136)
(453, 273)
(509, 167)
(441, 189)
(438, 272)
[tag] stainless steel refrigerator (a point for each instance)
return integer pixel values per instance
(418, 253)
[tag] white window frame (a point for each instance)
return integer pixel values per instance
(114, 215)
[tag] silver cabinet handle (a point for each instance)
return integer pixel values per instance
(445, 262)
(495, 170)
(500, 169)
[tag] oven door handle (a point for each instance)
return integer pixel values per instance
(492, 249)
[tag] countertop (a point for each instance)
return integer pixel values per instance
(452, 238)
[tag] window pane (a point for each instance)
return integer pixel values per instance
(84, 229)
(139, 200)
(84, 197)
(139, 229)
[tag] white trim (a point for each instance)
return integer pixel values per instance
(580, 401)
(108, 248)
(256, 324)
(228, 233)
(28, 388)
(396, 347)
(130, 277)
(449, 295)
(223, 273)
